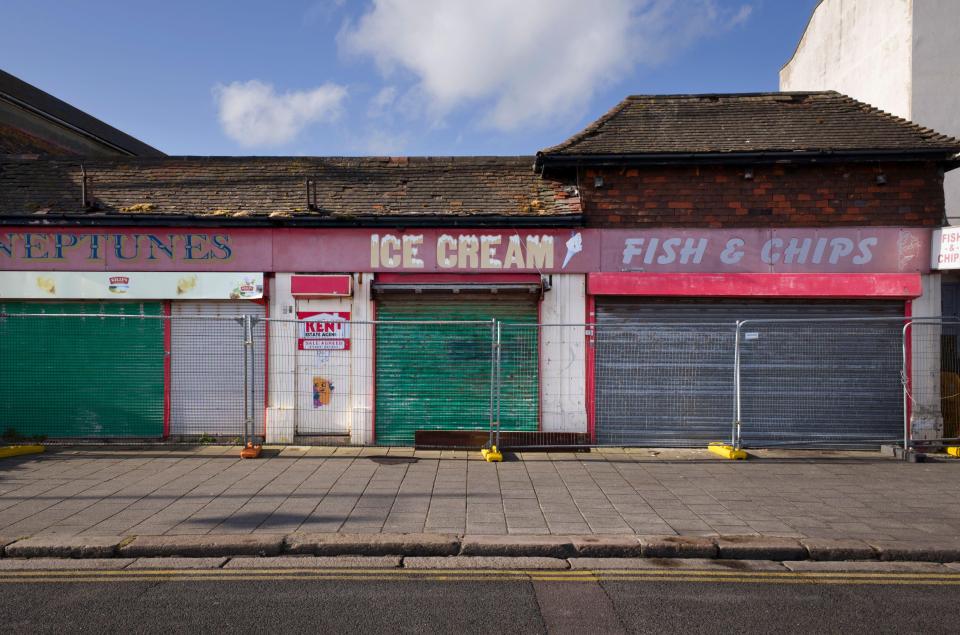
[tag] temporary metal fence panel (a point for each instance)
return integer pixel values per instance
(378, 383)
(663, 384)
(820, 382)
(102, 371)
(206, 364)
(672, 381)
(81, 370)
(107, 372)
(931, 372)
(439, 378)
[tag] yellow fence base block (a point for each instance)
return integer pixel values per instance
(953, 451)
(19, 450)
(251, 451)
(727, 451)
(492, 455)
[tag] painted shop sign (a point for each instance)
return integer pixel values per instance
(945, 249)
(846, 250)
(324, 331)
(131, 285)
(841, 250)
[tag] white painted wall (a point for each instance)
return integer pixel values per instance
(281, 390)
(563, 355)
(861, 48)
(936, 80)
(926, 417)
(902, 56)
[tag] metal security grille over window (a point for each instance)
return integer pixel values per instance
(127, 372)
(143, 372)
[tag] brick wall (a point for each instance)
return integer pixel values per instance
(777, 196)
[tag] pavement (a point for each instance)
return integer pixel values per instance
(685, 597)
(170, 491)
(183, 539)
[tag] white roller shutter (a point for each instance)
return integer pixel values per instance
(206, 368)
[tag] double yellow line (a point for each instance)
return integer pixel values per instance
(468, 575)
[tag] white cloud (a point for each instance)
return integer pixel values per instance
(381, 102)
(528, 61)
(253, 114)
(383, 143)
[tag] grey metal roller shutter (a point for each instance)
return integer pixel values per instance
(665, 373)
(206, 368)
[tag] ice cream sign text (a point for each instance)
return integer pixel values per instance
(470, 252)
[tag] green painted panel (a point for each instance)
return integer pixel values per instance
(437, 376)
(81, 376)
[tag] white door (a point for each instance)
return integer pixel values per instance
(206, 368)
(323, 403)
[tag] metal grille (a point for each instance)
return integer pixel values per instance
(664, 384)
(106, 372)
(206, 362)
(82, 370)
(932, 382)
(821, 382)
(380, 382)
(125, 371)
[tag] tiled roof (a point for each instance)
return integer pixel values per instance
(275, 188)
(71, 120)
(16, 143)
(820, 122)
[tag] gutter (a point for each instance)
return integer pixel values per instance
(169, 220)
(948, 157)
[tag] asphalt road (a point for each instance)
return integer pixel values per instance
(471, 602)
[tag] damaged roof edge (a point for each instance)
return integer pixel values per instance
(173, 220)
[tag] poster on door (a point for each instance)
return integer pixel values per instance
(324, 331)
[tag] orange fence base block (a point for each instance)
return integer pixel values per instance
(251, 451)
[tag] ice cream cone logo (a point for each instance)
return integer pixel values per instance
(574, 247)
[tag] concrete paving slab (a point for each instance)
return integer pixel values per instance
(517, 546)
(63, 564)
(177, 563)
(678, 564)
(810, 495)
(865, 567)
(677, 547)
(204, 545)
(61, 546)
(486, 562)
(372, 544)
(316, 562)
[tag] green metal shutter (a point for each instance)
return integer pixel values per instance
(437, 376)
(82, 377)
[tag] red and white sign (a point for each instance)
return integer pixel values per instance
(324, 331)
(945, 253)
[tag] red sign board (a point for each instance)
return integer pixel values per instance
(324, 331)
(469, 251)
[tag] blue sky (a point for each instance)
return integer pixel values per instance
(397, 77)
